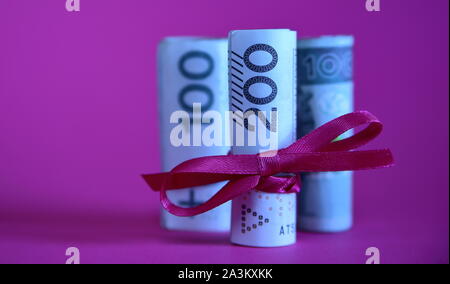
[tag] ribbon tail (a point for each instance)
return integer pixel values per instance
(280, 184)
(175, 181)
(337, 161)
(231, 190)
(322, 138)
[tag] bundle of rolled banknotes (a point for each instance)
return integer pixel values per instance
(258, 90)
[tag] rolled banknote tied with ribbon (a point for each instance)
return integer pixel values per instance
(316, 152)
(325, 91)
(262, 72)
(193, 82)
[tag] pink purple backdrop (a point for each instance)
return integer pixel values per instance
(78, 125)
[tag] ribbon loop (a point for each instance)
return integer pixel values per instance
(316, 152)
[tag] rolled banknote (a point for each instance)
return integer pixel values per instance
(325, 91)
(262, 72)
(193, 83)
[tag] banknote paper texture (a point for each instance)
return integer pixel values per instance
(192, 70)
(262, 92)
(325, 92)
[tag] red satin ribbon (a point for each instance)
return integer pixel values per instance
(316, 152)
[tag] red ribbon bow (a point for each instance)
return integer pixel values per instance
(316, 152)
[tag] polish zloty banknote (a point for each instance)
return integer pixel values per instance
(262, 72)
(325, 92)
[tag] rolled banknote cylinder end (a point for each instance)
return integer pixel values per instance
(264, 219)
(192, 70)
(262, 76)
(327, 41)
(325, 91)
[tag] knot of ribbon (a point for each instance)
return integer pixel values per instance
(276, 171)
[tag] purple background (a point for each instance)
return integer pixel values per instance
(78, 125)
